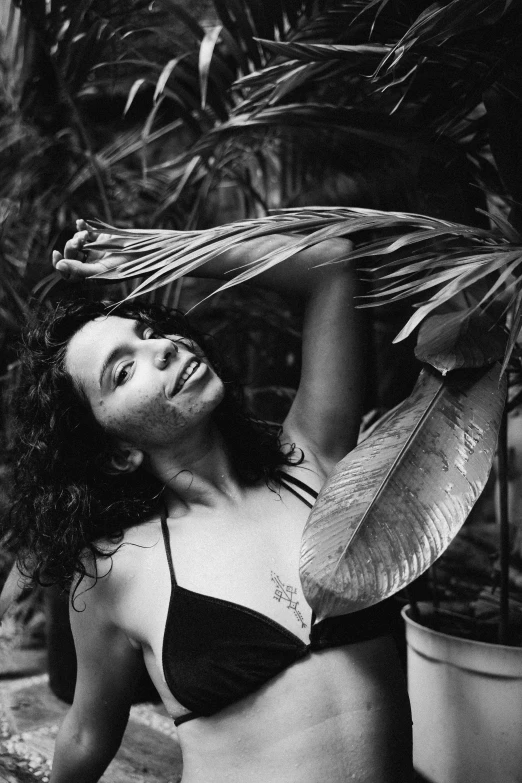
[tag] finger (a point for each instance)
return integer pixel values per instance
(77, 270)
(56, 256)
(62, 267)
(81, 225)
(74, 247)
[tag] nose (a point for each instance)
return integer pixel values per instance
(165, 349)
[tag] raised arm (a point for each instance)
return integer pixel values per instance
(107, 669)
(325, 415)
(324, 418)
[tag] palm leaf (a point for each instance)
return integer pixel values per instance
(439, 67)
(447, 257)
(357, 128)
(438, 24)
(206, 51)
(312, 52)
(332, 222)
(392, 506)
(315, 74)
(340, 221)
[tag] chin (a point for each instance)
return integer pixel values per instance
(216, 388)
(212, 397)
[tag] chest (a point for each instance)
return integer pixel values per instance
(249, 558)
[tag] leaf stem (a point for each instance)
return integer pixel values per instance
(504, 547)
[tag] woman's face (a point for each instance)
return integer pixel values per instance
(146, 390)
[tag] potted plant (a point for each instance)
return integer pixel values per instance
(466, 692)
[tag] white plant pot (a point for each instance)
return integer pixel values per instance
(466, 700)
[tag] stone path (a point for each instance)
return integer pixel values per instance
(29, 718)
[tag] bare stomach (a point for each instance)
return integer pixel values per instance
(335, 716)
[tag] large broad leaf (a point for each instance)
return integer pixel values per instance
(392, 506)
(453, 339)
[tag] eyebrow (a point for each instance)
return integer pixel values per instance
(116, 352)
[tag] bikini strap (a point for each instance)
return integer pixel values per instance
(166, 539)
(285, 478)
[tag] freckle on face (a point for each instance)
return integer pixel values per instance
(140, 412)
(145, 421)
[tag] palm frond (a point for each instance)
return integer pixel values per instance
(454, 42)
(310, 62)
(439, 24)
(442, 255)
(332, 71)
(315, 52)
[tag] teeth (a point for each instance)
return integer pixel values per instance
(187, 372)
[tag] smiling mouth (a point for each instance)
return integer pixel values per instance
(189, 370)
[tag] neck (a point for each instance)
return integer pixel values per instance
(201, 474)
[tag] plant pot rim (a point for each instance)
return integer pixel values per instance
(499, 660)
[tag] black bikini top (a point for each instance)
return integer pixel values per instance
(215, 652)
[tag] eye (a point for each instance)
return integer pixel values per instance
(175, 338)
(122, 374)
(149, 333)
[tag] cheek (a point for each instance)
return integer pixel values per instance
(141, 419)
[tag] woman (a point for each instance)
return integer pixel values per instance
(193, 564)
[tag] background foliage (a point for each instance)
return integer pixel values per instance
(177, 115)
(173, 115)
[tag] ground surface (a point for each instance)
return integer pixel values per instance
(30, 716)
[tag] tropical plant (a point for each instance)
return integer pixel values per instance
(474, 47)
(96, 96)
(318, 66)
(76, 138)
(466, 256)
(377, 88)
(330, 95)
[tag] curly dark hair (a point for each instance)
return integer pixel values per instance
(63, 501)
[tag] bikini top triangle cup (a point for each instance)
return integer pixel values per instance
(216, 652)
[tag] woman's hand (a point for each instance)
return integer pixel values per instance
(79, 263)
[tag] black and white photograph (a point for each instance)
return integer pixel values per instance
(260, 391)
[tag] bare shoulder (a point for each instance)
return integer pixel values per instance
(110, 569)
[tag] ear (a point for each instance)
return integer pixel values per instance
(124, 459)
